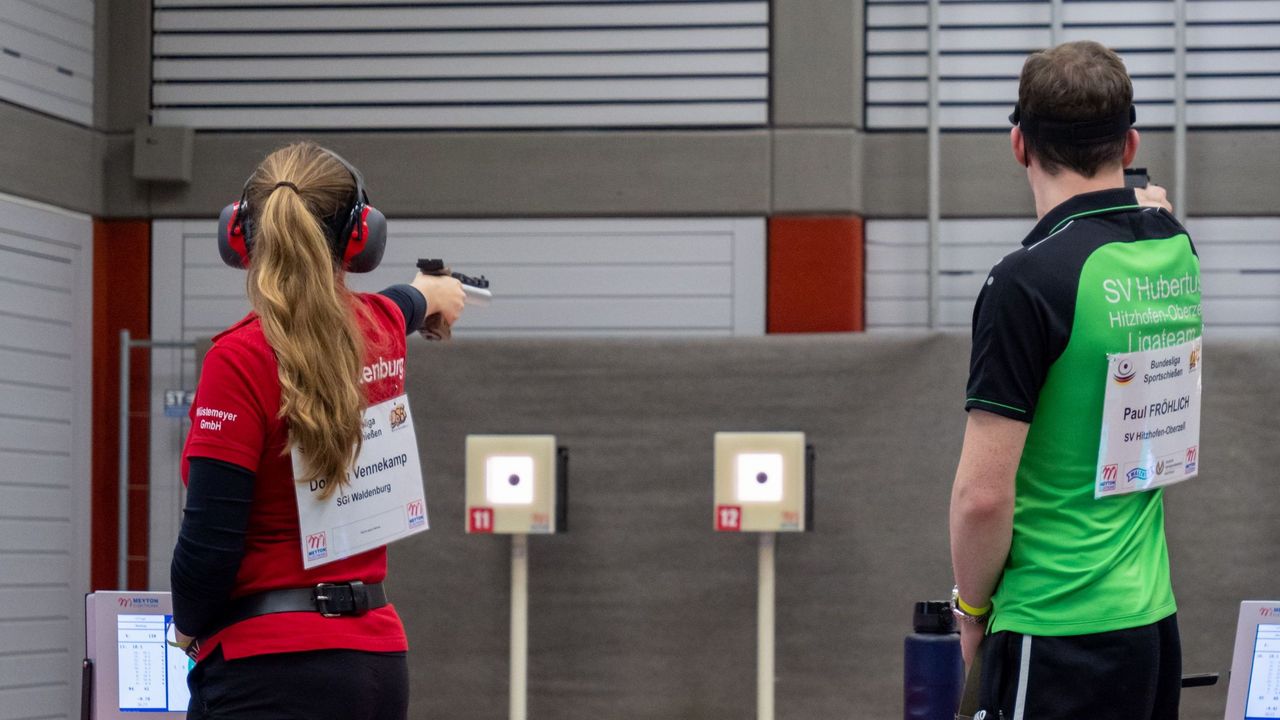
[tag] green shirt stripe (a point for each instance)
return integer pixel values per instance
(1087, 213)
(992, 402)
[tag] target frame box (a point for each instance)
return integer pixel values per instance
(516, 484)
(747, 498)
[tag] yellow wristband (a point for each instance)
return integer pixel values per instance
(971, 610)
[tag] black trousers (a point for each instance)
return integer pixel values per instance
(317, 685)
(1133, 674)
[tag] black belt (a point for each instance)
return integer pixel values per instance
(329, 599)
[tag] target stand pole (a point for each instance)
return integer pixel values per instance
(519, 626)
(765, 618)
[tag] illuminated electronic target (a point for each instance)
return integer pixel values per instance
(760, 478)
(516, 484)
(508, 480)
(763, 482)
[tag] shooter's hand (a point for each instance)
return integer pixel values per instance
(444, 296)
(1153, 196)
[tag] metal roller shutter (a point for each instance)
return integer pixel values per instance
(1233, 58)
(219, 64)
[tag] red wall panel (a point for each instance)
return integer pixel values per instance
(121, 300)
(816, 274)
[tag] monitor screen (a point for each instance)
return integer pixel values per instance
(151, 675)
(1263, 701)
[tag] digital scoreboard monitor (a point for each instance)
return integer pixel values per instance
(135, 672)
(1254, 692)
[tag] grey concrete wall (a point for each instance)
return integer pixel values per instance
(522, 174)
(122, 65)
(1228, 173)
(746, 172)
(87, 168)
(642, 611)
(50, 160)
(817, 63)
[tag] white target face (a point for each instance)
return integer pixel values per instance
(759, 477)
(509, 479)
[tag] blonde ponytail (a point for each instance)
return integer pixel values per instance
(306, 311)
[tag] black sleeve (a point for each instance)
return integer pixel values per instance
(211, 542)
(1010, 357)
(411, 302)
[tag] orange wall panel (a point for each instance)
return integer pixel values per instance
(816, 274)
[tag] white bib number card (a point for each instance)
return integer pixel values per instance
(1150, 420)
(384, 500)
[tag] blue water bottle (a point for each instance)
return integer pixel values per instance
(933, 668)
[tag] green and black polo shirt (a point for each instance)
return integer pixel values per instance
(1099, 274)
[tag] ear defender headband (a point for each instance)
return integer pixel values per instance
(357, 235)
(1087, 132)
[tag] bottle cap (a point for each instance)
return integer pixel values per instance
(934, 616)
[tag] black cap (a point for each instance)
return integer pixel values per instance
(934, 616)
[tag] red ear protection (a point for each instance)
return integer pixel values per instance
(357, 236)
(366, 241)
(232, 244)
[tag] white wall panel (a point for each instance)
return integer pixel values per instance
(473, 116)
(684, 64)
(459, 43)
(1233, 58)
(45, 292)
(474, 91)
(81, 10)
(460, 18)
(46, 56)
(678, 277)
(558, 276)
(33, 670)
(374, 64)
(1239, 261)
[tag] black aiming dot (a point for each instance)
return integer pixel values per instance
(514, 479)
(762, 478)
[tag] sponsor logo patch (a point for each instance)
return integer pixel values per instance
(1124, 371)
(1109, 479)
(317, 546)
(398, 415)
(417, 512)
